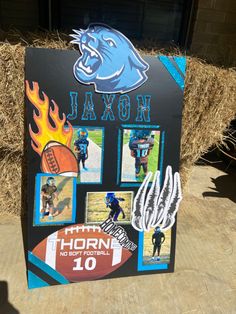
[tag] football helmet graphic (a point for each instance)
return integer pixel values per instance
(82, 133)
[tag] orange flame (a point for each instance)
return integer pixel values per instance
(46, 131)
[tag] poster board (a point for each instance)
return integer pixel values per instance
(103, 144)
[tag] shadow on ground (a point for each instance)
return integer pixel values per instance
(5, 306)
(225, 186)
(63, 204)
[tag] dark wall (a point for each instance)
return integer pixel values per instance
(22, 14)
(160, 19)
(138, 19)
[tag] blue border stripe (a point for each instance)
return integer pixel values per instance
(119, 157)
(140, 126)
(162, 155)
(142, 267)
(46, 268)
(172, 70)
(181, 61)
(129, 185)
(35, 282)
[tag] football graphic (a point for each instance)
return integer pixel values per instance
(80, 252)
(59, 159)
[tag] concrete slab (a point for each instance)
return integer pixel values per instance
(204, 280)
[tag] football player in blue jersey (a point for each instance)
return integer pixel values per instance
(112, 202)
(81, 147)
(141, 143)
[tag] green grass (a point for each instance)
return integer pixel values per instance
(125, 138)
(154, 155)
(96, 137)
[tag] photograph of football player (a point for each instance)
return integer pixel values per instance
(81, 147)
(140, 144)
(156, 247)
(87, 145)
(158, 238)
(48, 193)
(102, 205)
(55, 199)
(113, 203)
(140, 154)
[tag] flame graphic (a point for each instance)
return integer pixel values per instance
(46, 131)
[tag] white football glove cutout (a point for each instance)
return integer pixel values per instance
(158, 208)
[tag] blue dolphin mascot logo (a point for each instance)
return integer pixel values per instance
(108, 60)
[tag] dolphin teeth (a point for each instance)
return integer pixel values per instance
(86, 69)
(91, 51)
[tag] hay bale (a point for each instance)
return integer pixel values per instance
(11, 96)
(10, 176)
(209, 106)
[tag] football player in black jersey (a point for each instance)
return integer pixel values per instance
(158, 238)
(140, 144)
(48, 194)
(81, 147)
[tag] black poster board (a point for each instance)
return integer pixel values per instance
(95, 148)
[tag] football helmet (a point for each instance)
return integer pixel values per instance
(51, 181)
(82, 133)
(110, 196)
(157, 229)
(139, 134)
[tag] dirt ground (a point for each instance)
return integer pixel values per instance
(204, 280)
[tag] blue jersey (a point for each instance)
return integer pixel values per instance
(114, 204)
(141, 148)
(81, 145)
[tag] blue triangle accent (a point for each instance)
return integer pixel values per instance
(35, 282)
(46, 268)
(181, 61)
(173, 71)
